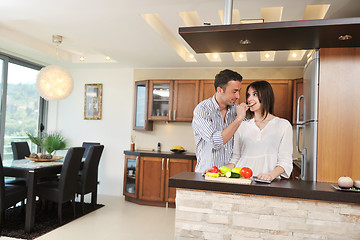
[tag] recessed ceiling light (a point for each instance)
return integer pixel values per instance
(107, 58)
(239, 56)
(296, 55)
(82, 59)
(345, 37)
(213, 57)
(267, 55)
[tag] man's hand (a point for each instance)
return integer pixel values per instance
(241, 110)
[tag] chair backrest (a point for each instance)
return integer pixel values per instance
(89, 175)
(69, 173)
(87, 146)
(20, 150)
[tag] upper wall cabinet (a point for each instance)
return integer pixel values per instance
(160, 100)
(173, 100)
(141, 121)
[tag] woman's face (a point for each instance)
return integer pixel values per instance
(253, 99)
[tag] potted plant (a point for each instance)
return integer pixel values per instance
(49, 142)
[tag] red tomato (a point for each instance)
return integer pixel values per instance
(214, 169)
(246, 172)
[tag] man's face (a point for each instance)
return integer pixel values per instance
(230, 94)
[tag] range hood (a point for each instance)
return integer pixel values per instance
(289, 35)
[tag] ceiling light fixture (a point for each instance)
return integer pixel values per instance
(267, 55)
(294, 55)
(82, 59)
(54, 82)
(345, 37)
(107, 58)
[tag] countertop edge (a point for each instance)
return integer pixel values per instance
(162, 154)
(279, 188)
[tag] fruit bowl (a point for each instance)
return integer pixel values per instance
(177, 150)
(43, 159)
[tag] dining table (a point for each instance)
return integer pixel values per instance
(31, 171)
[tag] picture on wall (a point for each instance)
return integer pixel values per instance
(93, 101)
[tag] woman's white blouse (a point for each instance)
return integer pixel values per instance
(263, 150)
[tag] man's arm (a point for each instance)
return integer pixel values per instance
(230, 130)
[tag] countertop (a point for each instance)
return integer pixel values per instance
(278, 188)
(161, 154)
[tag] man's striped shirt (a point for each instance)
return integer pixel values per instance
(208, 125)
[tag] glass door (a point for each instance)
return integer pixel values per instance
(161, 100)
(22, 109)
(141, 121)
(131, 176)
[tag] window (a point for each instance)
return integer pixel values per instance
(22, 109)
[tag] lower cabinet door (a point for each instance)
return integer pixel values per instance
(152, 176)
(173, 167)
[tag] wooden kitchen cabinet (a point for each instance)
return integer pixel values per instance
(173, 167)
(131, 167)
(160, 100)
(173, 100)
(185, 99)
(154, 179)
(339, 114)
(207, 89)
(141, 121)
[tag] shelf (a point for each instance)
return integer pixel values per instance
(289, 35)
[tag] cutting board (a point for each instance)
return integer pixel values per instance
(245, 181)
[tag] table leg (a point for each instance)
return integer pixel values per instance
(31, 202)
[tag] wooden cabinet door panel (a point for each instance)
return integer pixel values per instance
(175, 166)
(152, 174)
(185, 100)
(338, 124)
(207, 89)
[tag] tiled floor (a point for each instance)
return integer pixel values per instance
(119, 219)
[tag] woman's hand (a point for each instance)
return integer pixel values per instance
(265, 176)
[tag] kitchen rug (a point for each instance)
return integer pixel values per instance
(46, 220)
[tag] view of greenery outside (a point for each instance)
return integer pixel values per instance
(22, 107)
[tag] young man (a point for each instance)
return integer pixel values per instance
(216, 120)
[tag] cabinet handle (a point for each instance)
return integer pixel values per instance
(174, 114)
(137, 161)
(167, 164)
(162, 164)
(169, 115)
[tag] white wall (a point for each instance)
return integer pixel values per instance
(113, 130)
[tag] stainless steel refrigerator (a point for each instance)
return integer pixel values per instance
(308, 123)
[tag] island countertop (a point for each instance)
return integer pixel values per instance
(278, 188)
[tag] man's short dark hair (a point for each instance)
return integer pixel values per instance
(223, 77)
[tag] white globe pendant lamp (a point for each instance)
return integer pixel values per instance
(54, 82)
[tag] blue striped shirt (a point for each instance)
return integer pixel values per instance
(208, 125)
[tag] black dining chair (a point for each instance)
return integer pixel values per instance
(10, 195)
(87, 146)
(20, 150)
(88, 179)
(64, 189)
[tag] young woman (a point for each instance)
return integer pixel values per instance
(263, 142)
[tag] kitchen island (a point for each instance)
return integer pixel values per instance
(283, 209)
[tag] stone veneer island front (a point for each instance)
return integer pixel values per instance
(284, 209)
